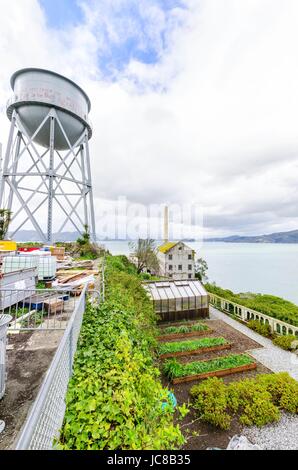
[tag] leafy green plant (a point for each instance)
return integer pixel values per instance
(210, 402)
(174, 369)
(256, 401)
(181, 346)
(184, 329)
(262, 328)
(285, 342)
(84, 248)
(183, 410)
(115, 397)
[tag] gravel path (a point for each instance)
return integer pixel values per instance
(278, 436)
(271, 356)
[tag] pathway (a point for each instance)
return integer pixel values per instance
(270, 355)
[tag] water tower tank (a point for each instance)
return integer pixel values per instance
(49, 185)
(36, 91)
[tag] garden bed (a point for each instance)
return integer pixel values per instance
(217, 367)
(196, 352)
(217, 373)
(184, 331)
(192, 348)
(191, 334)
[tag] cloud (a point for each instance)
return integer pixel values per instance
(196, 102)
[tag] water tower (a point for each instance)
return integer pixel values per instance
(46, 168)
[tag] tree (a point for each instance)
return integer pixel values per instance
(145, 254)
(85, 239)
(84, 247)
(201, 269)
(5, 219)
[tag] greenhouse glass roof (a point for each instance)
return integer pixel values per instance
(174, 289)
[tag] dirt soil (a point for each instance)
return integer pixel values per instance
(28, 358)
(201, 436)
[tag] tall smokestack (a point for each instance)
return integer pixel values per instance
(166, 225)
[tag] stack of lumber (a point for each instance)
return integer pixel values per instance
(75, 279)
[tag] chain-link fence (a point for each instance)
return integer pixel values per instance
(46, 416)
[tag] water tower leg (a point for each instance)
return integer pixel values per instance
(51, 181)
(7, 158)
(91, 203)
(85, 184)
(15, 168)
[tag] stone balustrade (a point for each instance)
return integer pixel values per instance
(246, 314)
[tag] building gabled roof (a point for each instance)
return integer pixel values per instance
(165, 247)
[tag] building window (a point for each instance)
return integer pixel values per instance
(180, 248)
(180, 267)
(170, 267)
(170, 256)
(189, 256)
(170, 275)
(190, 267)
(189, 276)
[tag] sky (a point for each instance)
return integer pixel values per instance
(194, 102)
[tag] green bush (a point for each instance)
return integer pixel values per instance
(262, 328)
(253, 402)
(285, 342)
(115, 397)
(256, 401)
(210, 402)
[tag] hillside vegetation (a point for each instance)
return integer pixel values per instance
(271, 305)
(115, 397)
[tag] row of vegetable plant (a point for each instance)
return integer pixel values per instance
(174, 369)
(183, 346)
(184, 329)
(256, 401)
(115, 398)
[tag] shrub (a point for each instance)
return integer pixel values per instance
(283, 390)
(285, 342)
(262, 328)
(210, 402)
(256, 401)
(253, 402)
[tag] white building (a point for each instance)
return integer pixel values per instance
(177, 260)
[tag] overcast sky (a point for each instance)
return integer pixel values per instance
(193, 101)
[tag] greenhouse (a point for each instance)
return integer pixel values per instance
(178, 300)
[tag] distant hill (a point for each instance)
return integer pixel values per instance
(279, 237)
(32, 236)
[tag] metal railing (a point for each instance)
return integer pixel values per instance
(46, 416)
(38, 309)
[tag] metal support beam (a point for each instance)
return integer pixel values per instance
(45, 182)
(51, 182)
